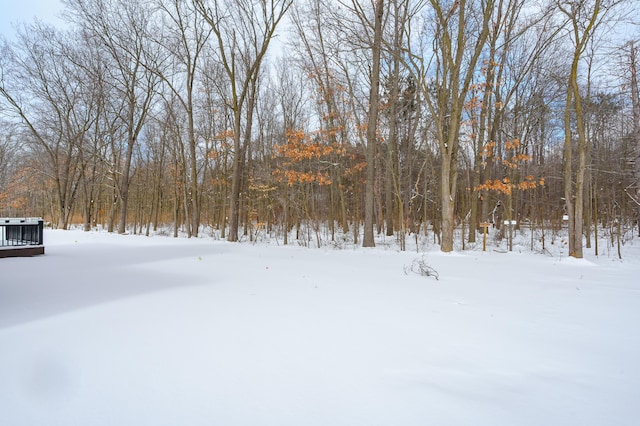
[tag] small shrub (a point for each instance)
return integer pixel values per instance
(419, 266)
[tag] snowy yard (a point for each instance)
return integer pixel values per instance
(128, 330)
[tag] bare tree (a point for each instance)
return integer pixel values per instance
(583, 18)
(8, 157)
(243, 30)
(460, 31)
(635, 101)
(372, 124)
(400, 15)
(185, 38)
(45, 91)
(122, 28)
(87, 57)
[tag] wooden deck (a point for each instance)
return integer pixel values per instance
(21, 237)
(21, 251)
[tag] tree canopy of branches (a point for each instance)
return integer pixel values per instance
(315, 120)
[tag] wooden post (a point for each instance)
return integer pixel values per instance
(484, 226)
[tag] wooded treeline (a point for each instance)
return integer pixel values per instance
(356, 117)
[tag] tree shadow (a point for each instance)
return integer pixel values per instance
(70, 277)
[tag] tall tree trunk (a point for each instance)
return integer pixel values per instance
(635, 99)
(236, 177)
(568, 173)
(193, 164)
(392, 182)
(581, 33)
(124, 186)
(456, 57)
(372, 128)
(448, 184)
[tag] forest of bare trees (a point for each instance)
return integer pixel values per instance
(343, 117)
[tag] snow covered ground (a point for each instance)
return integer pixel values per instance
(128, 330)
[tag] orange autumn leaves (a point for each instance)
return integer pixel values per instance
(299, 147)
(513, 162)
(506, 186)
(308, 160)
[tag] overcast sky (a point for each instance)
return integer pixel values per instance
(16, 11)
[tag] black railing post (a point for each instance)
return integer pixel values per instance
(40, 232)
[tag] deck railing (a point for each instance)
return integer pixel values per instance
(21, 232)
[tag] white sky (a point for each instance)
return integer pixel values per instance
(17, 11)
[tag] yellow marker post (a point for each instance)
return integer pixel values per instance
(484, 226)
